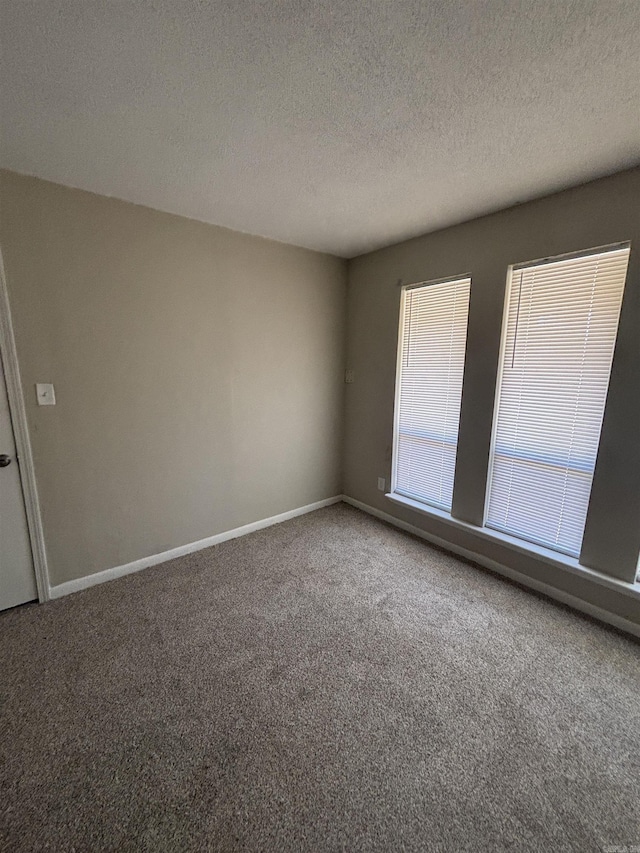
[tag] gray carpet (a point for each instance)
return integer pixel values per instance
(326, 684)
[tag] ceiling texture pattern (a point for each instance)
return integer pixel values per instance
(339, 126)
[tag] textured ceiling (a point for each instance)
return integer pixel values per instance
(339, 126)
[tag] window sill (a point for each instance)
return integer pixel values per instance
(552, 558)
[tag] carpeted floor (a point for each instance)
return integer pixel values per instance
(326, 684)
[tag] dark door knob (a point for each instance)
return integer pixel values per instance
(4, 460)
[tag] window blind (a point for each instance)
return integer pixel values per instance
(429, 389)
(561, 325)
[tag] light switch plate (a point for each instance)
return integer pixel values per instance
(45, 393)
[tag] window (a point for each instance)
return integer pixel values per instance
(433, 330)
(560, 330)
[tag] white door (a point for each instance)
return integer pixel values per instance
(17, 577)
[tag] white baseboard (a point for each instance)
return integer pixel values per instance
(558, 594)
(129, 568)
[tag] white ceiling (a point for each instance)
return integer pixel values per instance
(340, 126)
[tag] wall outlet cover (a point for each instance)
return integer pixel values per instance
(45, 394)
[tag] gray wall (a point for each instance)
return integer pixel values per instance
(602, 212)
(198, 373)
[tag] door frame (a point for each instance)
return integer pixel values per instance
(22, 441)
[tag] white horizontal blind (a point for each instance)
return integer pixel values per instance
(562, 321)
(429, 389)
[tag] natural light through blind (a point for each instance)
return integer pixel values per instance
(433, 335)
(561, 326)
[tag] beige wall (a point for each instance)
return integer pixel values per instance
(198, 373)
(602, 212)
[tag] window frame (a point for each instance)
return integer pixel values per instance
(404, 289)
(532, 546)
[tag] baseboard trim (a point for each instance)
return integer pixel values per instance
(62, 589)
(550, 591)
